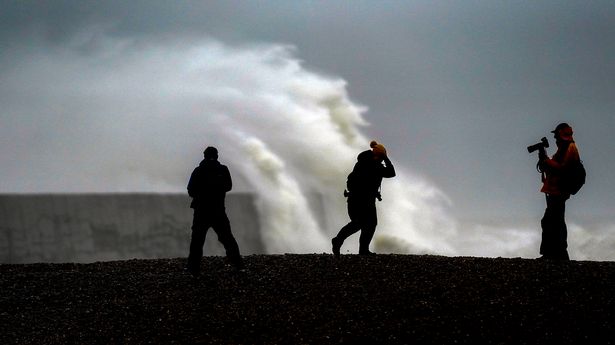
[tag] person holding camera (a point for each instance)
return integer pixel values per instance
(554, 231)
(363, 188)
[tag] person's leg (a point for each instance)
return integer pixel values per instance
(554, 231)
(560, 236)
(222, 227)
(546, 223)
(349, 229)
(200, 226)
(369, 223)
(342, 235)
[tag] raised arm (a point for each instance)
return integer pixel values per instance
(389, 170)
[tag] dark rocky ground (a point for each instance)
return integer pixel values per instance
(311, 299)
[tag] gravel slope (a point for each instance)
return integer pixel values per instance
(284, 299)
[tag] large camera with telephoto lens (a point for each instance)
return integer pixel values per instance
(542, 145)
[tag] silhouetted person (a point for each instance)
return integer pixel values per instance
(554, 231)
(208, 185)
(363, 189)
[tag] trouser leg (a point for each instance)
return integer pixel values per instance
(367, 233)
(561, 235)
(362, 217)
(199, 231)
(546, 242)
(554, 230)
(370, 220)
(353, 226)
(222, 227)
(348, 230)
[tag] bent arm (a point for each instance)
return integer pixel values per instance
(553, 164)
(192, 184)
(227, 183)
(389, 169)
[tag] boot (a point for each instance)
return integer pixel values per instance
(336, 246)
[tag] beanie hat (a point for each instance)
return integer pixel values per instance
(378, 149)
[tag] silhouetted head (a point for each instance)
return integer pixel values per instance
(211, 153)
(365, 156)
(563, 132)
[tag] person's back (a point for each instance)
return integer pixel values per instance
(208, 185)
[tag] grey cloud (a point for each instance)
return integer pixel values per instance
(457, 88)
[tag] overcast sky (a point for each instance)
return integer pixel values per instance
(455, 89)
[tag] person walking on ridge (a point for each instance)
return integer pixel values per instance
(207, 187)
(363, 188)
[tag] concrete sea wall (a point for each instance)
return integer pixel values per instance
(101, 227)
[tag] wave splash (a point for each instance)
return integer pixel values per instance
(138, 113)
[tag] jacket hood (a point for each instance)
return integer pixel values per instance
(365, 156)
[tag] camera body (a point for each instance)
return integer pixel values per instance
(542, 145)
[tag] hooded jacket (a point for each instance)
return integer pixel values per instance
(208, 185)
(366, 176)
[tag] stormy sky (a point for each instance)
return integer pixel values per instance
(455, 89)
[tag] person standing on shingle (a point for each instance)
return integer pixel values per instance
(363, 188)
(208, 185)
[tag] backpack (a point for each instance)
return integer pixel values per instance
(351, 184)
(359, 184)
(573, 178)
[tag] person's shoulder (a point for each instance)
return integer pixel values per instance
(223, 168)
